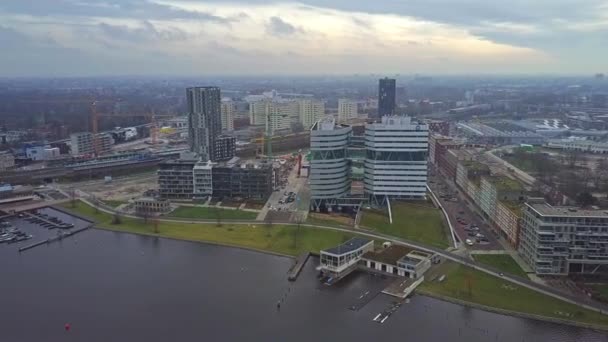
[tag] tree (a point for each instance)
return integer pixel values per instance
(116, 219)
(299, 220)
(585, 199)
(218, 216)
(572, 158)
(155, 225)
(268, 221)
(72, 194)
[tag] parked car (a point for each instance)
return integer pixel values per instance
(469, 242)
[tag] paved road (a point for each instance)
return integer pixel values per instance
(591, 305)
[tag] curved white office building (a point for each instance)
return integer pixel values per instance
(396, 159)
(329, 167)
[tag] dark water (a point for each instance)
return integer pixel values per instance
(121, 287)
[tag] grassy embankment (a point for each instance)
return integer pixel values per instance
(415, 221)
(476, 287)
(503, 262)
(276, 238)
(212, 213)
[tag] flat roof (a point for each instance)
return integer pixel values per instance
(545, 209)
(348, 246)
(503, 183)
(389, 255)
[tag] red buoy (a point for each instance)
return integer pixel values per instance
(67, 327)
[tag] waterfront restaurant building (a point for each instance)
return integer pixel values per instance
(339, 261)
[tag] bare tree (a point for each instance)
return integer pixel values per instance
(155, 225)
(116, 219)
(219, 213)
(268, 224)
(572, 158)
(72, 194)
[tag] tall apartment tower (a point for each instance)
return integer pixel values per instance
(347, 109)
(310, 111)
(228, 110)
(329, 164)
(386, 97)
(396, 159)
(205, 122)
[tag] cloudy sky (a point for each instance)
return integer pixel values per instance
(197, 37)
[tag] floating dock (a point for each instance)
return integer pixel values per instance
(53, 239)
(297, 267)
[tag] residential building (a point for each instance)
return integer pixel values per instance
(329, 167)
(228, 112)
(564, 240)
(151, 206)
(310, 111)
(275, 115)
(224, 147)
(396, 159)
(386, 97)
(204, 120)
(508, 220)
(347, 110)
(439, 127)
(84, 143)
(7, 160)
(339, 261)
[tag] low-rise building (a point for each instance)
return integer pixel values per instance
(339, 261)
(247, 180)
(398, 260)
(151, 206)
(7, 160)
(564, 240)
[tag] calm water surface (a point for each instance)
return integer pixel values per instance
(122, 287)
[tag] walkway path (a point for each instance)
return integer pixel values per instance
(588, 304)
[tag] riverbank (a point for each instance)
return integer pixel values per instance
(466, 285)
(276, 238)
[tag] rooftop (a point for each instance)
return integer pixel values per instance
(348, 246)
(389, 255)
(505, 184)
(473, 165)
(545, 209)
(514, 206)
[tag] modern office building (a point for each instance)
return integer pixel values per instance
(386, 97)
(347, 110)
(176, 178)
(228, 111)
(564, 240)
(224, 147)
(84, 143)
(202, 177)
(329, 165)
(248, 180)
(205, 123)
(396, 160)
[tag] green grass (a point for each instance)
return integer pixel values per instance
(600, 291)
(503, 262)
(212, 213)
(417, 222)
(276, 238)
(114, 204)
(495, 292)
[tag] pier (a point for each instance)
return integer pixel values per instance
(53, 239)
(45, 221)
(295, 270)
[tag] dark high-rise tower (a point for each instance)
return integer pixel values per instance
(386, 97)
(205, 124)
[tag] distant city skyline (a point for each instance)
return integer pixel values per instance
(308, 37)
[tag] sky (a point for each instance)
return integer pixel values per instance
(307, 37)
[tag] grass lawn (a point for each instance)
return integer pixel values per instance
(212, 213)
(114, 204)
(495, 292)
(503, 262)
(276, 238)
(413, 221)
(600, 291)
(328, 220)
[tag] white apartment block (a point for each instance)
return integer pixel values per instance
(274, 114)
(7, 160)
(347, 109)
(228, 112)
(310, 111)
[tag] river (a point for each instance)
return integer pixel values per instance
(113, 286)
